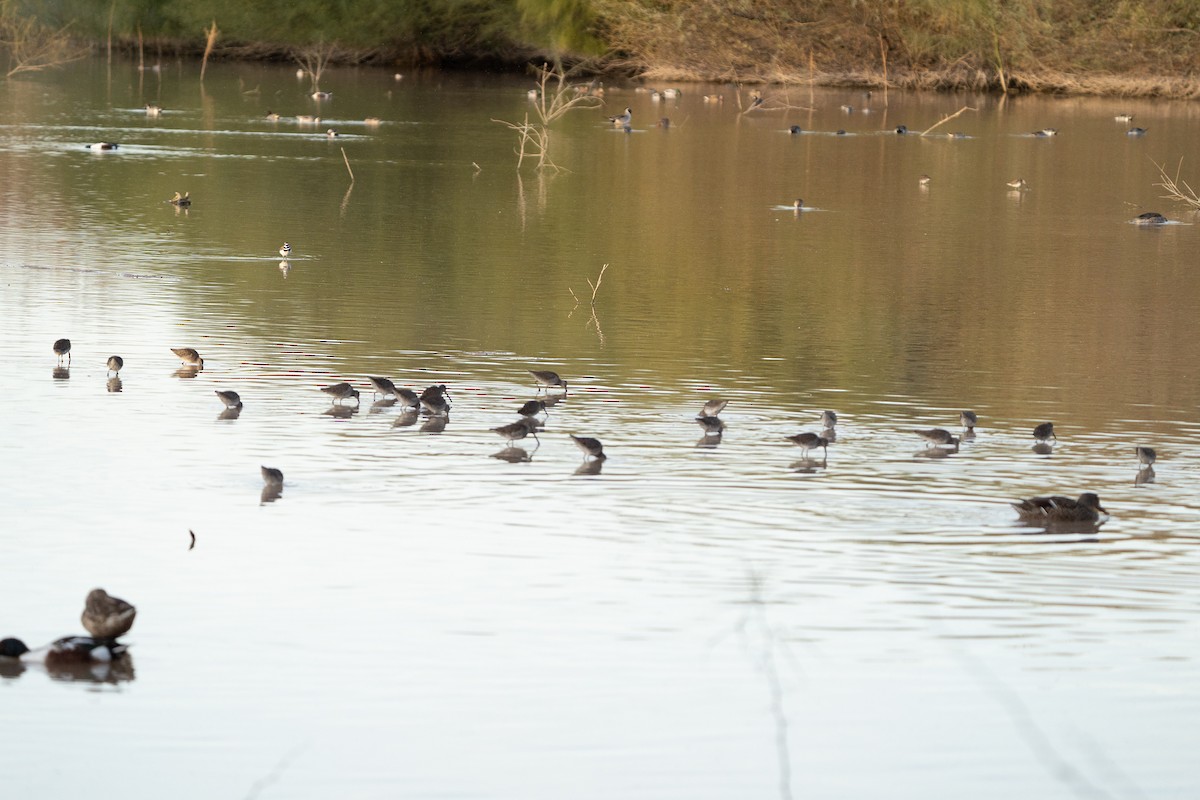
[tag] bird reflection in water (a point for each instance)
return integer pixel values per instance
(113, 385)
(98, 672)
(230, 413)
(591, 467)
(285, 267)
(60, 373)
(406, 419)
(436, 424)
(380, 405)
(808, 465)
(340, 411)
(189, 371)
(514, 455)
(1144, 475)
(1043, 448)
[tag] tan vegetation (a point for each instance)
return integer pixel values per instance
(1177, 189)
(1150, 47)
(30, 46)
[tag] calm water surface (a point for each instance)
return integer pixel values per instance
(703, 618)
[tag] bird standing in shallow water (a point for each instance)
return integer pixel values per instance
(523, 427)
(189, 357)
(1060, 509)
(590, 447)
(828, 419)
(937, 436)
(622, 120)
(62, 347)
(1146, 455)
(968, 419)
(382, 386)
(532, 408)
(230, 398)
(285, 250)
(808, 441)
(272, 476)
(713, 407)
(1044, 432)
(115, 363)
(341, 391)
(547, 379)
(105, 616)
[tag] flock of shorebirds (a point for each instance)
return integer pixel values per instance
(104, 617)
(434, 402)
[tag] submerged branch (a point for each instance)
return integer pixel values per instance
(1177, 189)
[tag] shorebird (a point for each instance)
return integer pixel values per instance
(407, 398)
(1146, 455)
(341, 391)
(272, 476)
(547, 379)
(620, 120)
(382, 386)
(115, 363)
(230, 398)
(807, 441)
(105, 616)
(285, 250)
(189, 357)
(1044, 432)
(433, 400)
(713, 407)
(513, 431)
(590, 447)
(937, 437)
(532, 408)
(712, 425)
(828, 419)
(1060, 509)
(62, 347)
(968, 419)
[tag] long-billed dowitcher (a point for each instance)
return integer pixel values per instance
(382, 386)
(523, 427)
(968, 419)
(547, 379)
(809, 441)
(591, 447)
(62, 347)
(1044, 432)
(434, 401)
(272, 476)
(532, 408)
(1146, 455)
(1061, 509)
(105, 616)
(230, 398)
(937, 436)
(408, 398)
(712, 425)
(713, 407)
(828, 419)
(189, 357)
(341, 391)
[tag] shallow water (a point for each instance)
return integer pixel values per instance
(706, 616)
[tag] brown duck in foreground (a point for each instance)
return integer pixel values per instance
(1061, 509)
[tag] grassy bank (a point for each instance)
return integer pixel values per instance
(1151, 47)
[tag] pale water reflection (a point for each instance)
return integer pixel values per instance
(424, 608)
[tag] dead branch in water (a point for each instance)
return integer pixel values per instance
(1177, 189)
(32, 46)
(555, 97)
(347, 164)
(944, 120)
(211, 39)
